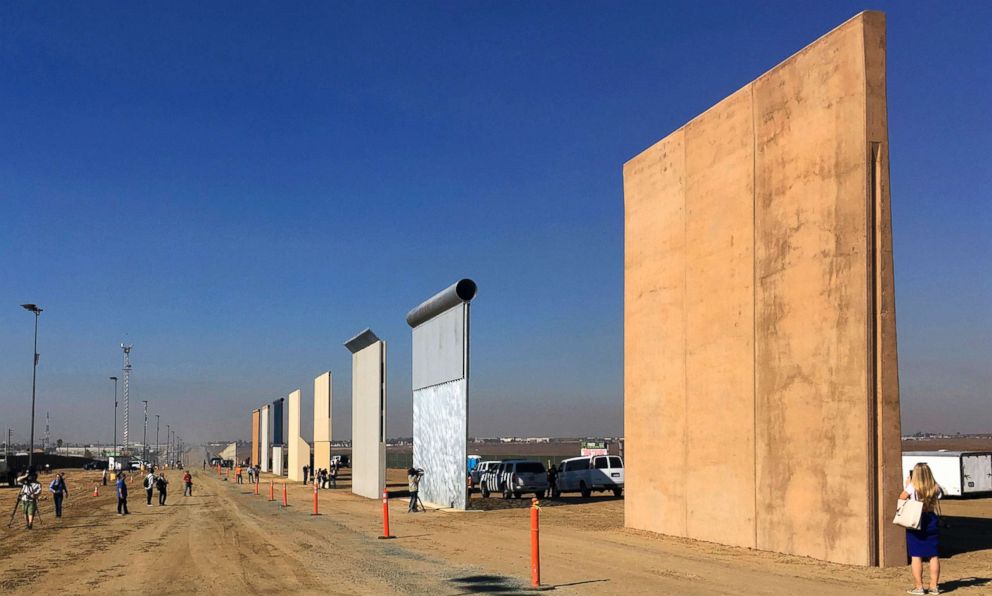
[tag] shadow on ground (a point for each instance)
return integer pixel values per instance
(959, 535)
(487, 584)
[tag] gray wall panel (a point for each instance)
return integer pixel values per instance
(439, 348)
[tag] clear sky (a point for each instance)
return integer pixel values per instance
(238, 188)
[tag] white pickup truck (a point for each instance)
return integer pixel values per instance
(594, 473)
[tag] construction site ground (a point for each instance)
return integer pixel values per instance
(226, 540)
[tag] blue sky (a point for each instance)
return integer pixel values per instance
(239, 188)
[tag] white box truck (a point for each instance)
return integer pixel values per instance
(959, 473)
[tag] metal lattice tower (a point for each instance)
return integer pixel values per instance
(127, 378)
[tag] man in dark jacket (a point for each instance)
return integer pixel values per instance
(122, 494)
(162, 484)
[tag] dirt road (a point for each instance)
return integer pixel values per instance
(227, 540)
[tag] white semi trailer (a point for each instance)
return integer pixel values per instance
(959, 473)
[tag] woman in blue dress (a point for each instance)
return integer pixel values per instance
(922, 544)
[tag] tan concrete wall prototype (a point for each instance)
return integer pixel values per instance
(299, 450)
(368, 395)
(255, 422)
(761, 388)
(322, 421)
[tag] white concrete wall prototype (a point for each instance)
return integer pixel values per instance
(278, 454)
(299, 450)
(440, 394)
(264, 447)
(368, 418)
(322, 421)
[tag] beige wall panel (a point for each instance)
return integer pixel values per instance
(255, 421)
(891, 537)
(299, 450)
(322, 399)
(368, 395)
(811, 296)
(764, 226)
(654, 358)
(719, 346)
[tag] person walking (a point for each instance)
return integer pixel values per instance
(122, 494)
(149, 485)
(59, 491)
(413, 476)
(187, 484)
(162, 485)
(922, 544)
(30, 491)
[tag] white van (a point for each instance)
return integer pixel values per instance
(587, 474)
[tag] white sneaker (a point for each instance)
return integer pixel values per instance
(917, 592)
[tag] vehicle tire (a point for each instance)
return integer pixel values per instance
(485, 490)
(507, 494)
(539, 495)
(584, 490)
(517, 495)
(617, 492)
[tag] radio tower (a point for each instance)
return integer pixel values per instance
(127, 378)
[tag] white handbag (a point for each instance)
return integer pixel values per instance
(909, 513)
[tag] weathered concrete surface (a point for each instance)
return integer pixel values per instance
(322, 421)
(761, 389)
(255, 425)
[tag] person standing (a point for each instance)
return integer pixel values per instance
(188, 484)
(922, 544)
(59, 491)
(237, 475)
(149, 484)
(104, 476)
(162, 484)
(334, 476)
(30, 491)
(306, 472)
(122, 494)
(413, 476)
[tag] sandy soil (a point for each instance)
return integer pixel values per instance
(227, 540)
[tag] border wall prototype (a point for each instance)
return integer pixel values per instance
(440, 394)
(761, 397)
(368, 414)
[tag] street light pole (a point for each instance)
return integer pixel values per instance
(167, 427)
(34, 376)
(144, 436)
(114, 379)
(157, 454)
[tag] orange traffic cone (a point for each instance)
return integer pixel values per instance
(96, 490)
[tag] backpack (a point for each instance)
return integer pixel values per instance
(147, 483)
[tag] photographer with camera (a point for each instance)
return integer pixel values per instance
(30, 491)
(413, 476)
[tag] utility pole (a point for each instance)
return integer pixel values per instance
(114, 379)
(144, 435)
(44, 445)
(34, 376)
(127, 382)
(158, 455)
(167, 427)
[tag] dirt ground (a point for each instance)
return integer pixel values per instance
(225, 540)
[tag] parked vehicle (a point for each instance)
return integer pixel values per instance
(515, 477)
(958, 473)
(587, 474)
(481, 469)
(340, 460)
